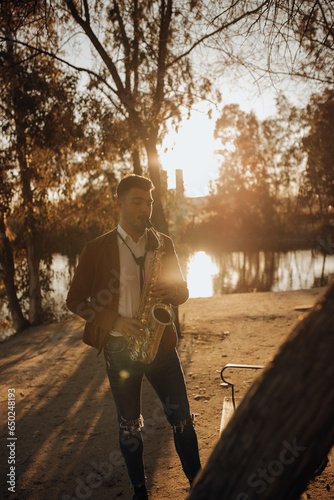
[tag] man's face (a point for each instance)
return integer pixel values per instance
(136, 207)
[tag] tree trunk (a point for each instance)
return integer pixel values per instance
(137, 168)
(283, 428)
(35, 313)
(154, 166)
(33, 259)
(7, 263)
(30, 243)
(128, 98)
(35, 296)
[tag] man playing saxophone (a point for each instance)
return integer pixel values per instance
(123, 279)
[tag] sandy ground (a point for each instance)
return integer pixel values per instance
(66, 428)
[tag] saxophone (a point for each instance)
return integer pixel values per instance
(154, 315)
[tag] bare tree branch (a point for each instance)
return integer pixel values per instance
(218, 30)
(165, 20)
(126, 45)
(40, 51)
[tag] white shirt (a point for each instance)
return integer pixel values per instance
(129, 290)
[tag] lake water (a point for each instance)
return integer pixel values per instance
(229, 272)
(233, 272)
(216, 274)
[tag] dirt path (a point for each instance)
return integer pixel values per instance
(66, 426)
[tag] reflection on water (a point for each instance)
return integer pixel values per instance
(228, 272)
(232, 272)
(201, 270)
(212, 274)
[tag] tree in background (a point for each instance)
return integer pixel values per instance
(146, 71)
(263, 169)
(38, 124)
(52, 165)
(285, 158)
(7, 256)
(318, 187)
(243, 199)
(270, 169)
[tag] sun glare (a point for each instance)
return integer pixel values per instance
(192, 150)
(200, 281)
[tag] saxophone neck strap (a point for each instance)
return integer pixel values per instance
(140, 261)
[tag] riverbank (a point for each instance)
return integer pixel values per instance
(65, 417)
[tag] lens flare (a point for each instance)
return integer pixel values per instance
(124, 374)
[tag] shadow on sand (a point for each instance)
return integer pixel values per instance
(66, 428)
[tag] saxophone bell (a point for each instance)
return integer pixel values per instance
(162, 314)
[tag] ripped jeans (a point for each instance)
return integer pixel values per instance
(166, 377)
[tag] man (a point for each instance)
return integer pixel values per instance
(105, 291)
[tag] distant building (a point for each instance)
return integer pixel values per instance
(179, 184)
(182, 209)
(164, 182)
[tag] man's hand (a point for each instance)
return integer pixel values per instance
(129, 327)
(165, 290)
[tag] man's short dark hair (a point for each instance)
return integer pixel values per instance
(133, 181)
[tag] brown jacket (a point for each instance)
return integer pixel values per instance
(94, 291)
